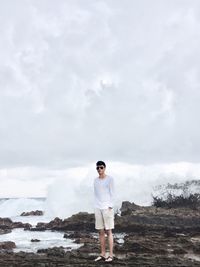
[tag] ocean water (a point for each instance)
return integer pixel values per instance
(47, 239)
(13, 207)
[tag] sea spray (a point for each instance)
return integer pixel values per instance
(135, 183)
(15, 206)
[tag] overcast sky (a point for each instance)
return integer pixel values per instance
(98, 79)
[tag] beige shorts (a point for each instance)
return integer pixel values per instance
(104, 218)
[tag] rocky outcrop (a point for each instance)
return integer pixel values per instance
(8, 245)
(6, 224)
(35, 240)
(81, 220)
(5, 231)
(133, 218)
(57, 256)
(32, 213)
(158, 237)
(128, 208)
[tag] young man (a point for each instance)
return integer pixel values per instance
(104, 210)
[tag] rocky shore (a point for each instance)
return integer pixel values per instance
(6, 225)
(151, 237)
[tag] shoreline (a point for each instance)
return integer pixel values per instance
(151, 237)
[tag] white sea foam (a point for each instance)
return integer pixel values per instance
(47, 239)
(135, 183)
(74, 193)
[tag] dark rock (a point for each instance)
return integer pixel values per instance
(53, 252)
(152, 237)
(27, 226)
(21, 225)
(89, 247)
(179, 251)
(127, 208)
(7, 245)
(32, 213)
(77, 234)
(196, 248)
(7, 223)
(5, 231)
(81, 220)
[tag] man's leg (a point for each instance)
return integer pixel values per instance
(102, 242)
(110, 241)
(99, 224)
(109, 225)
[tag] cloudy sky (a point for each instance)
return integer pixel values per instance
(96, 79)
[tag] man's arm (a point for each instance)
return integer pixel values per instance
(112, 191)
(94, 192)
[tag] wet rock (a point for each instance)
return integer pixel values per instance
(5, 231)
(32, 213)
(89, 247)
(81, 237)
(7, 223)
(77, 234)
(21, 225)
(81, 220)
(149, 218)
(27, 226)
(127, 208)
(196, 248)
(53, 252)
(148, 244)
(179, 251)
(7, 245)
(153, 237)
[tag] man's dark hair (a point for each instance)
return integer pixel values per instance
(100, 162)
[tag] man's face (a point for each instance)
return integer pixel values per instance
(100, 169)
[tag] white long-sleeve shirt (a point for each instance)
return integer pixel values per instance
(104, 192)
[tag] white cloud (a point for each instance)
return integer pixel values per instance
(104, 79)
